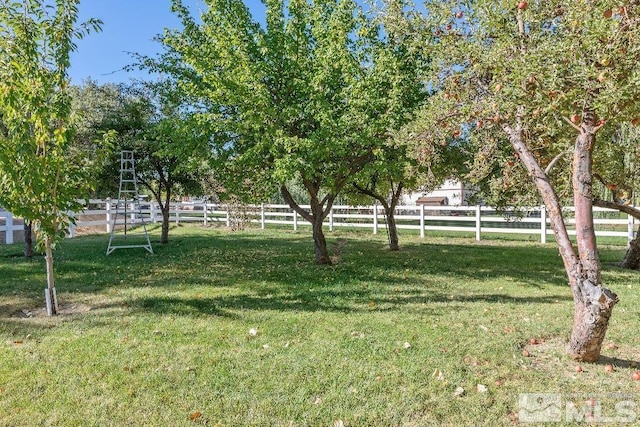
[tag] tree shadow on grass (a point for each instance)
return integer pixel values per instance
(618, 362)
(284, 267)
(236, 260)
(325, 302)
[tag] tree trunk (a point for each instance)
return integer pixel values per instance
(592, 303)
(392, 229)
(632, 257)
(28, 239)
(315, 217)
(52, 302)
(320, 243)
(389, 210)
(164, 234)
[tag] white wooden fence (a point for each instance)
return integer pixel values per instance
(478, 220)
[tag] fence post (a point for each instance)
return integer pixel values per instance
(630, 223)
(295, 220)
(132, 215)
(422, 221)
(262, 221)
(331, 219)
(8, 234)
(478, 222)
(152, 211)
(228, 217)
(543, 224)
(204, 211)
(72, 226)
(107, 206)
(375, 218)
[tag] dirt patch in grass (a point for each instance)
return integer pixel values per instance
(64, 311)
(549, 355)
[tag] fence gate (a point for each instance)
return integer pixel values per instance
(128, 229)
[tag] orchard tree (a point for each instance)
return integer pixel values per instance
(41, 180)
(171, 150)
(154, 120)
(539, 79)
(292, 100)
(400, 69)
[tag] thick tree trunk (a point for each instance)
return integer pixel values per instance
(320, 243)
(52, 301)
(165, 208)
(392, 229)
(319, 213)
(389, 210)
(593, 304)
(316, 217)
(164, 233)
(632, 257)
(28, 239)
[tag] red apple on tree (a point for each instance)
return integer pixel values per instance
(575, 118)
(459, 15)
(635, 375)
(522, 5)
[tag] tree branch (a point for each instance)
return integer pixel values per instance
(372, 194)
(573, 125)
(555, 160)
(286, 195)
(629, 210)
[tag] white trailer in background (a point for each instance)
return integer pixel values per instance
(451, 193)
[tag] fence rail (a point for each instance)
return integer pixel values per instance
(479, 220)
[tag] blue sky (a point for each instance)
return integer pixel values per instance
(128, 26)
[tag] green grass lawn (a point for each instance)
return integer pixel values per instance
(380, 339)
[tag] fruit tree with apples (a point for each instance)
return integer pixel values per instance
(531, 87)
